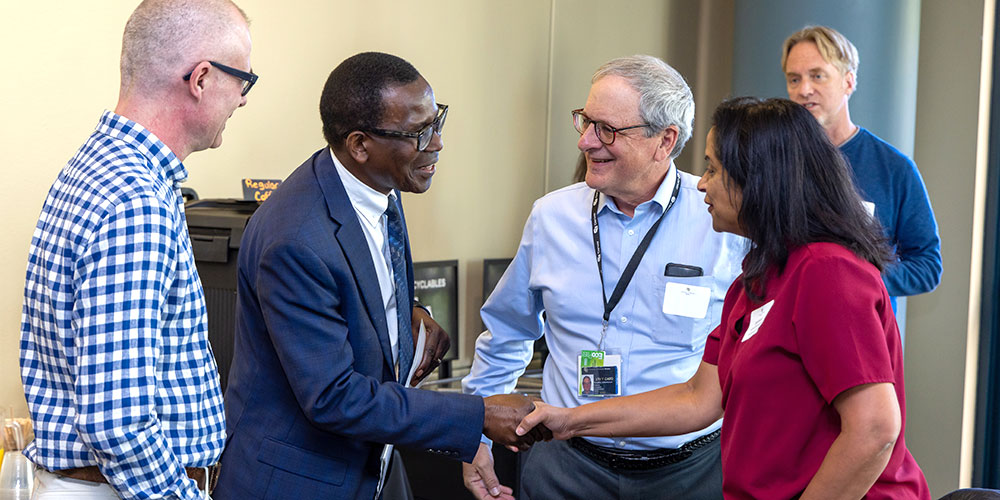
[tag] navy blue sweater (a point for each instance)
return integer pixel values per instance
(890, 180)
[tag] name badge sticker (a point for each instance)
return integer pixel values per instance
(686, 300)
(757, 319)
(870, 208)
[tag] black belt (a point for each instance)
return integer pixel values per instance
(632, 460)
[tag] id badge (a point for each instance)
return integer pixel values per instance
(599, 374)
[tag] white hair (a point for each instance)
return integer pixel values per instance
(165, 38)
(664, 97)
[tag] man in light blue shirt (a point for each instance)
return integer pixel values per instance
(639, 231)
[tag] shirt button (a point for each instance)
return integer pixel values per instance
(631, 232)
(624, 319)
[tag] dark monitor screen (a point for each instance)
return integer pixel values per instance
(435, 286)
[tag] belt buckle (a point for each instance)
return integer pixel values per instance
(205, 480)
(212, 477)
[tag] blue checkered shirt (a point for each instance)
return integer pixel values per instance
(115, 359)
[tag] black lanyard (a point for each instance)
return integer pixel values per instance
(633, 263)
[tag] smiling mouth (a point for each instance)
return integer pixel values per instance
(428, 169)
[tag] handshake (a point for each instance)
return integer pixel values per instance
(504, 413)
(507, 422)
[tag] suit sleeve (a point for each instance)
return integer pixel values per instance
(301, 302)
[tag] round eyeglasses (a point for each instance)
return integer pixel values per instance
(425, 134)
(605, 133)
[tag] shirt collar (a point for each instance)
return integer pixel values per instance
(146, 143)
(368, 202)
(659, 201)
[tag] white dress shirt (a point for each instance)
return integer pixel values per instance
(370, 206)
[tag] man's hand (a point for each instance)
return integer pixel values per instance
(553, 419)
(503, 414)
(436, 347)
(481, 479)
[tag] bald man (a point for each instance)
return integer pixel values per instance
(118, 373)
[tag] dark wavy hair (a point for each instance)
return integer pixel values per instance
(797, 187)
(352, 96)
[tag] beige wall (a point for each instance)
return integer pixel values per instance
(694, 37)
(946, 129)
(65, 56)
(510, 71)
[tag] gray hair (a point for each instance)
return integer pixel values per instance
(664, 97)
(165, 38)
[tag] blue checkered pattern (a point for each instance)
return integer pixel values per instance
(115, 359)
(397, 254)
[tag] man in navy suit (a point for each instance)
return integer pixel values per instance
(313, 395)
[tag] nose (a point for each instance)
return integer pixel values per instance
(701, 184)
(436, 144)
(243, 101)
(805, 88)
(589, 141)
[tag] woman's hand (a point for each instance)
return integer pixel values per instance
(554, 418)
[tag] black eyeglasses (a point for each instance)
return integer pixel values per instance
(425, 134)
(605, 133)
(248, 78)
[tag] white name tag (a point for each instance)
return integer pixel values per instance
(757, 319)
(869, 207)
(686, 300)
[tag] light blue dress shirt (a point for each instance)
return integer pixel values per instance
(555, 272)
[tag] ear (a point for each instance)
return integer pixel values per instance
(667, 143)
(199, 78)
(357, 146)
(850, 80)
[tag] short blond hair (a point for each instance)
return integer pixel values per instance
(835, 48)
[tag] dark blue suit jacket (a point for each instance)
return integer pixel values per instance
(311, 395)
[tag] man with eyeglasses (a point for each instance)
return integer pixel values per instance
(326, 324)
(118, 373)
(625, 277)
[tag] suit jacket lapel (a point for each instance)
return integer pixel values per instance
(353, 242)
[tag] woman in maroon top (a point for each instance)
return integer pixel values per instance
(806, 364)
